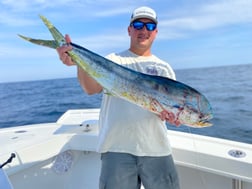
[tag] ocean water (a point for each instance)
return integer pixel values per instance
(228, 88)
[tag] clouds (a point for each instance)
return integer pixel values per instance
(26, 5)
(188, 30)
(191, 18)
(208, 16)
(228, 12)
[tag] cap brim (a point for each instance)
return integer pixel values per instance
(139, 17)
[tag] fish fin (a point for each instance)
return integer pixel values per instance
(155, 106)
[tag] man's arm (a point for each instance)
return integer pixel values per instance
(89, 85)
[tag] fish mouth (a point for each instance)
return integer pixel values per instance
(204, 123)
(201, 124)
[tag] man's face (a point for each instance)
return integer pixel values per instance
(141, 38)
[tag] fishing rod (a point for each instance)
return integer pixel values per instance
(13, 155)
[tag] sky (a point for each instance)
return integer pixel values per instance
(191, 33)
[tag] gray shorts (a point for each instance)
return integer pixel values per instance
(126, 171)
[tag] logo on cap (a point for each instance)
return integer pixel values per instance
(144, 12)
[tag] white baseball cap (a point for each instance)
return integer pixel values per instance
(144, 12)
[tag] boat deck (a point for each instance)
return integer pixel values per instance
(68, 146)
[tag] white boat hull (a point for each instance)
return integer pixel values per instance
(62, 155)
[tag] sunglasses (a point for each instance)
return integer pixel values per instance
(138, 25)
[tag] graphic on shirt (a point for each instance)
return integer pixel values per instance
(151, 70)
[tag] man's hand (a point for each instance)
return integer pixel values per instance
(169, 117)
(62, 51)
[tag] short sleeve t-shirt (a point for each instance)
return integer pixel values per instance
(126, 127)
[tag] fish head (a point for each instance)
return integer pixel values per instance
(194, 118)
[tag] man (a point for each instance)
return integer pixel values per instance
(133, 141)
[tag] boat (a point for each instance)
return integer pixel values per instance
(62, 155)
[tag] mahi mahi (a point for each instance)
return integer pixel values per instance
(154, 93)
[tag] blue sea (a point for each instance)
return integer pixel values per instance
(228, 88)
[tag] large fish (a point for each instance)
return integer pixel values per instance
(153, 93)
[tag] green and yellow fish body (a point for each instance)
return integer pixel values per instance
(153, 93)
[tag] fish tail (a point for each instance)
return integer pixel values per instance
(47, 43)
(58, 37)
(58, 41)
